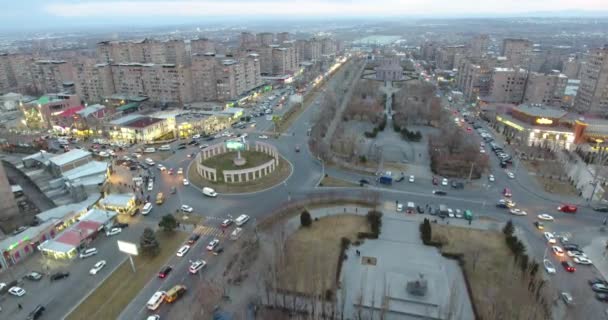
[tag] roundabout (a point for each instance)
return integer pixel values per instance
(236, 166)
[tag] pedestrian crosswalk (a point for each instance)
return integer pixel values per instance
(210, 231)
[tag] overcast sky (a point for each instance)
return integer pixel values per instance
(58, 13)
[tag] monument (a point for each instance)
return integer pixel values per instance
(237, 145)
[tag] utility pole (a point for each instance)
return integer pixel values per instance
(471, 171)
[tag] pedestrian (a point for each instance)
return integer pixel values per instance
(19, 306)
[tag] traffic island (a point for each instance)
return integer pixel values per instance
(239, 167)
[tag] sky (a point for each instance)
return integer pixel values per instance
(31, 14)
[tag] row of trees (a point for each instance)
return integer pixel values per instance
(380, 127)
(414, 136)
(148, 243)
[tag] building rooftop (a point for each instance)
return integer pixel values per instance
(128, 106)
(70, 156)
(98, 216)
(91, 109)
(126, 119)
(117, 199)
(71, 111)
(56, 246)
(541, 111)
(142, 122)
(29, 233)
(61, 212)
(89, 169)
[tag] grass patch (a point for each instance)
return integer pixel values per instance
(496, 283)
(312, 253)
(279, 175)
(563, 188)
(224, 161)
(335, 182)
(115, 293)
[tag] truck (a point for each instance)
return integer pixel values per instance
(386, 178)
(443, 210)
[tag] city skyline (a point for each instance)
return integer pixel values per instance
(66, 13)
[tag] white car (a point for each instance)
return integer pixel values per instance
(411, 179)
(214, 243)
(549, 267)
(16, 291)
(150, 185)
(186, 182)
(582, 260)
(450, 213)
(186, 208)
(153, 317)
(196, 266)
(511, 175)
(576, 253)
(545, 217)
(103, 154)
(550, 237)
(400, 207)
(557, 250)
(491, 178)
(482, 150)
(180, 171)
(98, 266)
(263, 137)
(113, 231)
(518, 212)
(444, 182)
(196, 136)
(183, 250)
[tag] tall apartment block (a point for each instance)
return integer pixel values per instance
(202, 46)
(447, 57)
(517, 51)
(478, 47)
(248, 40)
(265, 38)
(546, 89)
(144, 51)
(474, 78)
(282, 37)
(592, 94)
(508, 85)
(309, 50)
(51, 75)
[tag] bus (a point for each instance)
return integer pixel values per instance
(175, 293)
(160, 198)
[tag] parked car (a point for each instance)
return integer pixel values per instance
(601, 209)
(35, 276)
(120, 225)
(59, 275)
(439, 192)
(600, 287)
(113, 231)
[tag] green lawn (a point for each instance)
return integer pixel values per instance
(115, 293)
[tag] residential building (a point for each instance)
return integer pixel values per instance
(507, 85)
(448, 57)
(283, 37)
(162, 83)
(592, 95)
(572, 68)
(93, 81)
(201, 46)
(51, 75)
(545, 89)
(428, 51)
(517, 51)
(16, 73)
(265, 38)
(309, 50)
(570, 92)
(329, 47)
(248, 40)
(478, 47)
(474, 78)
(143, 51)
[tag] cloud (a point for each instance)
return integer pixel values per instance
(152, 8)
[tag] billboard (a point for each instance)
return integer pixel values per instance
(127, 247)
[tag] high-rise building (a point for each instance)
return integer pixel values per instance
(508, 85)
(545, 89)
(201, 46)
(248, 40)
(592, 94)
(474, 78)
(428, 51)
(329, 47)
(571, 68)
(93, 81)
(143, 51)
(265, 38)
(159, 82)
(282, 37)
(51, 75)
(517, 51)
(478, 46)
(448, 57)
(309, 50)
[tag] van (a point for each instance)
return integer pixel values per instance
(146, 209)
(149, 162)
(209, 192)
(165, 147)
(236, 233)
(160, 198)
(156, 300)
(149, 150)
(88, 253)
(241, 220)
(175, 293)
(410, 207)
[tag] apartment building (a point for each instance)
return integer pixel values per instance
(51, 75)
(248, 40)
(143, 51)
(93, 81)
(159, 82)
(284, 60)
(448, 57)
(309, 50)
(478, 47)
(201, 46)
(474, 78)
(265, 38)
(329, 47)
(571, 67)
(428, 50)
(592, 94)
(517, 51)
(283, 37)
(507, 85)
(545, 89)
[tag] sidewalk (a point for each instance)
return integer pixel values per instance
(597, 252)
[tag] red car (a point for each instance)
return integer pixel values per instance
(507, 192)
(435, 181)
(568, 208)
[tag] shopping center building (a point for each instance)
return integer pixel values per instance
(538, 125)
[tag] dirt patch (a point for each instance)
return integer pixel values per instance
(279, 175)
(312, 253)
(335, 182)
(496, 282)
(563, 188)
